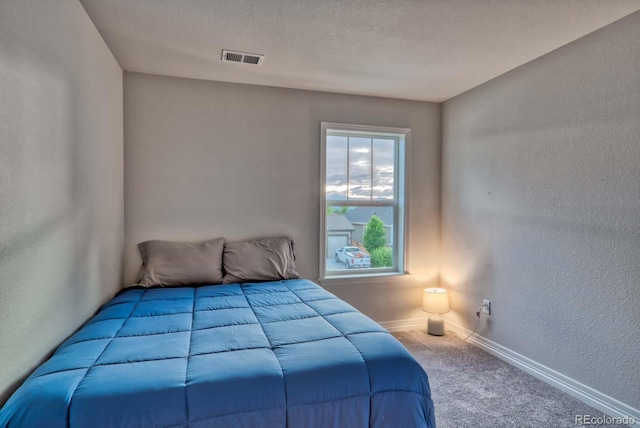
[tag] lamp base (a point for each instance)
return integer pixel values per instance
(435, 326)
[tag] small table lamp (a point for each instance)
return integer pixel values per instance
(435, 301)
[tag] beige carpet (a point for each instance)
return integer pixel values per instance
(471, 388)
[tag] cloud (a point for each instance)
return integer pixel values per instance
(363, 175)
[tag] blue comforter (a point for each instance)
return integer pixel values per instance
(276, 354)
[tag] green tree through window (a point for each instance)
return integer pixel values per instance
(375, 235)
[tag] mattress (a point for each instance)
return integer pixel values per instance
(274, 354)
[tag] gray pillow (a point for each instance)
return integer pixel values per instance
(265, 259)
(181, 263)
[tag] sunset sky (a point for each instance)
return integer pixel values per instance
(366, 172)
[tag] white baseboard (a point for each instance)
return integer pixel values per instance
(606, 404)
(400, 325)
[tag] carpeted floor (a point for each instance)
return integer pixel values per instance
(471, 388)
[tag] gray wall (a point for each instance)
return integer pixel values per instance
(61, 189)
(208, 159)
(541, 209)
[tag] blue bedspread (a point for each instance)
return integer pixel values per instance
(276, 354)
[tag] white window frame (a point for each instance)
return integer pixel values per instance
(400, 203)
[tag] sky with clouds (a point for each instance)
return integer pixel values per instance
(370, 169)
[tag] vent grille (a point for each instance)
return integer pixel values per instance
(242, 57)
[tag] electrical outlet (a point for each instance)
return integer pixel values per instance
(486, 306)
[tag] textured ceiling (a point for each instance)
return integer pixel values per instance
(428, 50)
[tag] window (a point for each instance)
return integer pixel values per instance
(363, 200)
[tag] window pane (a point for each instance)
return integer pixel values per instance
(383, 168)
(355, 241)
(363, 175)
(359, 168)
(336, 178)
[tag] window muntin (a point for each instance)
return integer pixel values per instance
(363, 176)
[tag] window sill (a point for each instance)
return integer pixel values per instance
(378, 278)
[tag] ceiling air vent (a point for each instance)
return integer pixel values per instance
(242, 57)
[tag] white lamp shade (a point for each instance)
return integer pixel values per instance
(435, 301)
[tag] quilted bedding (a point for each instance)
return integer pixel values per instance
(276, 354)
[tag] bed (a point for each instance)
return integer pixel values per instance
(271, 354)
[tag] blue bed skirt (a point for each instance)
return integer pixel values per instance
(274, 354)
